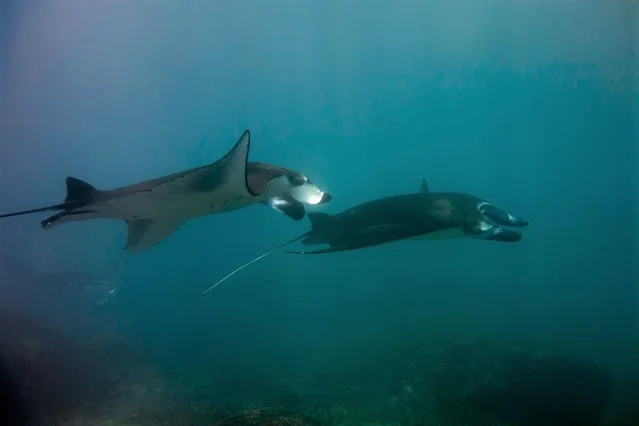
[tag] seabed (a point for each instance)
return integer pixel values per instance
(452, 384)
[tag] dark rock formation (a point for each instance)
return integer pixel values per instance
(45, 376)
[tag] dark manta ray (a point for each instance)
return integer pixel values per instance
(155, 208)
(424, 215)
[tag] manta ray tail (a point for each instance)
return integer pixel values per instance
(262, 256)
(38, 210)
(78, 192)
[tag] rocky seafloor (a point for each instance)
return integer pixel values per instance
(518, 389)
(49, 381)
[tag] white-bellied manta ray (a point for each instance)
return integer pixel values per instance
(424, 215)
(155, 208)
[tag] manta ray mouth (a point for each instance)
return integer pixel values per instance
(310, 194)
(315, 198)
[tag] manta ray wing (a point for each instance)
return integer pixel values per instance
(226, 177)
(145, 233)
(221, 183)
(217, 187)
(362, 238)
(322, 251)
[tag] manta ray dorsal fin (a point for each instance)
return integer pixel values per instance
(145, 233)
(79, 190)
(227, 175)
(423, 188)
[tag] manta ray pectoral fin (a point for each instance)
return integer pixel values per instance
(227, 175)
(357, 239)
(288, 205)
(326, 250)
(423, 188)
(145, 233)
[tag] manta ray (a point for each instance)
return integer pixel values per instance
(424, 215)
(155, 208)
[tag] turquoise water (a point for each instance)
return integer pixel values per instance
(532, 106)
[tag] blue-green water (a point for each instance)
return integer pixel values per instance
(532, 105)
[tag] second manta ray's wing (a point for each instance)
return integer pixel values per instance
(322, 251)
(367, 237)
